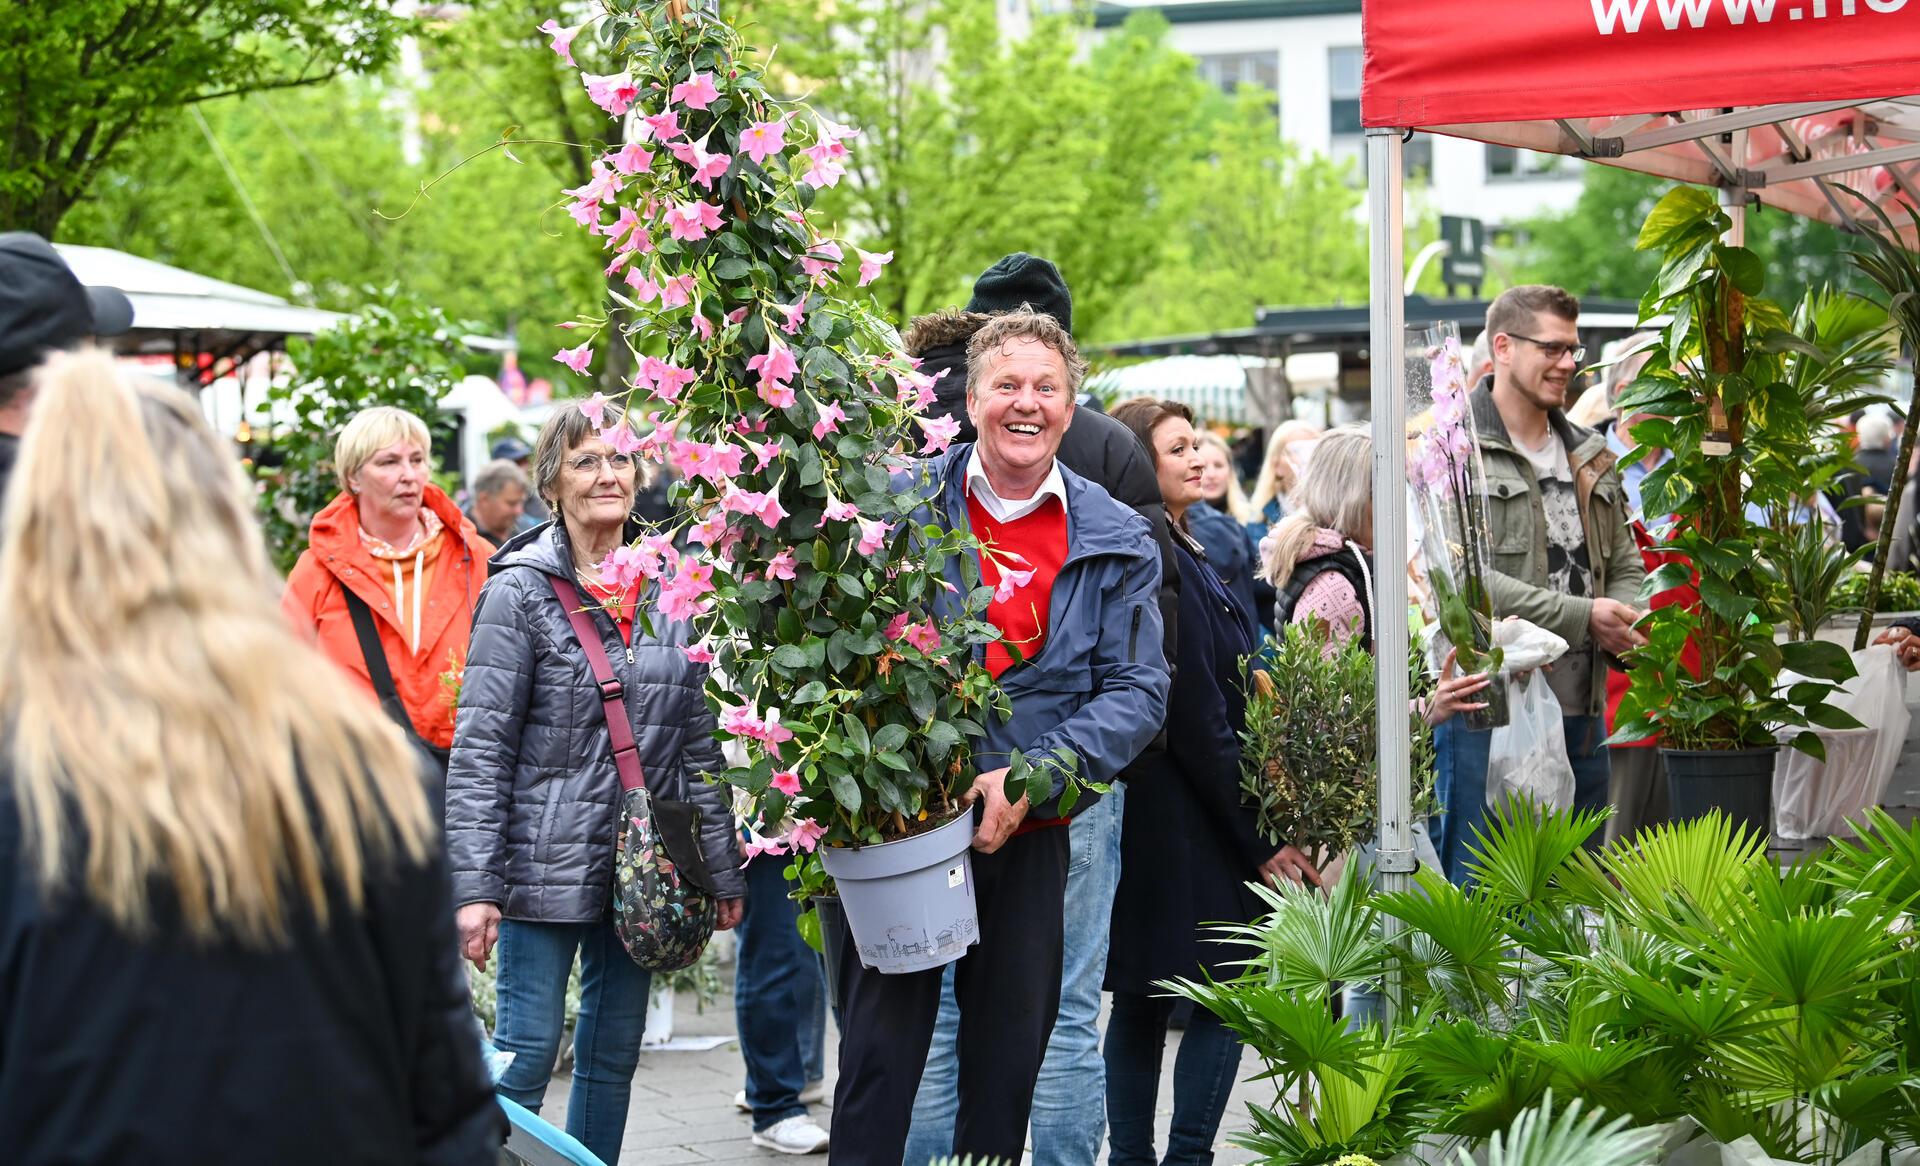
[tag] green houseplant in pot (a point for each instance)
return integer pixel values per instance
(1717, 398)
(780, 399)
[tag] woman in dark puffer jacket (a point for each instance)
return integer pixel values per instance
(532, 787)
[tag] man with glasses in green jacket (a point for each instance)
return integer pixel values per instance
(1564, 557)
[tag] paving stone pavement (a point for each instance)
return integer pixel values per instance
(682, 1112)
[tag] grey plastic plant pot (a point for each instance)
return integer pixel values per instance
(1737, 782)
(909, 903)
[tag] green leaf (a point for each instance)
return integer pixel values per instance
(731, 268)
(823, 366)
(846, 790)
(1743, 268)
(1818, 659)
(812, 692)
(790, 656)
(1683, 208)
(890, 737)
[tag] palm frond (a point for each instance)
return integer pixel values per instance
(1518, 857)
(1585, 1136)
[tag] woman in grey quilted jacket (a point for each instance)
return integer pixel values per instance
(532, 787)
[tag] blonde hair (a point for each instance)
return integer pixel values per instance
(166, 726)
(1270, 486)
(1336, 492)
(1236, 496)
(371, 431)
(984, 346)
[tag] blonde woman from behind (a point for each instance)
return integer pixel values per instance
(225, 921)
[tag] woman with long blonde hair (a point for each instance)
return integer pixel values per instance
(225, 924)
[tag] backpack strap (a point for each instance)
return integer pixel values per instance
(368, 633)
(626, 752)
(1344, 563)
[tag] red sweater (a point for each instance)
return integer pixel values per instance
(1040, 541)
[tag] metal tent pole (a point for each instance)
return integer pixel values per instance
(1386, 344)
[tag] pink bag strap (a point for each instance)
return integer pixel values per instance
(626, 753)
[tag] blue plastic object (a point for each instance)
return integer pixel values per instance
(534, 1141)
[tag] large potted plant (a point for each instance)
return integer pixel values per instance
(1722, 404)
(781, 400)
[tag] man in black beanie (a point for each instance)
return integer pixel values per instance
(43, 308)
(1069, 1110)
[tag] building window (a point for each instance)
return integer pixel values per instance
(1347, 139)
(1507, 162)
(1229, 71)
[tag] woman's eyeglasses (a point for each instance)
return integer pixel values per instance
(589, 463)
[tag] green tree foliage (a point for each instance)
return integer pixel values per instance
(396, 351)
(1589, 249)
(81, 78)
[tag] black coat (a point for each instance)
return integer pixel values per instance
(354, 1043)
(1230, 554)
(1095, 446)
(1188, 844)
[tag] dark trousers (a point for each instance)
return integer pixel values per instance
(1204, 1072)
(1008, 990)
(779, 997)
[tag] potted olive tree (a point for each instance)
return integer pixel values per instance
(1723, 406)
(804, 557)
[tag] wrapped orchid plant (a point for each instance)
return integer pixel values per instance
(1448, 486)
(791, 420)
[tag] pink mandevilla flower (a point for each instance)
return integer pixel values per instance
(644, 289)
(924, 636)
(698, 654)
(576, 359)
(663, 125)
(776, 364)
(677, 292)
(873, 535)
(621, 438)
(706, 167)
(600, 188)
(691, 221)
(940, 433)
(594, 409)
(562, 39)
(786, 781)
(763, 139)
(839, 511)
(696, 92)
(870, 264)
(614, 92)
(805, 834)
(709, 531)
(624, 566)
(781, 566)
(632, 158)
(794, 313)
(822, 169)
(764, 452)
(779, 394)
(822, 259)
(1010, 582)
(703, 326)
(831, 415)
(585, 212)
(897, 626)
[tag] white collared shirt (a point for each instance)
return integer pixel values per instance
(1007, 510)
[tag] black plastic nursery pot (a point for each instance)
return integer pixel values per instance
(1737, 782)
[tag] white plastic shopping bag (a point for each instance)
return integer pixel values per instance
(1528, 754)
(1813, 799)
(1525, 646)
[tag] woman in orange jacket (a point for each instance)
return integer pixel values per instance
(388, 581)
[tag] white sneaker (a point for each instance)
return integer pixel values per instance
(796, 1135)
(815, 1093)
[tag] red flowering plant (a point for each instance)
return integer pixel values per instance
(786, 409)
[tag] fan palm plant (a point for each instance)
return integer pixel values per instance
(1680, 977)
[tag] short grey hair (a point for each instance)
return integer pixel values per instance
(497, 475)
(1023, 324)
(1875, 431)
(567, 427)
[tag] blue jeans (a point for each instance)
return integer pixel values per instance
(1204, 1072)
(779, 997)
(1067, 1120)
(530, 1002)
(1460, 781)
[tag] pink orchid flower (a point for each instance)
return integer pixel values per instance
(594, 408)
(690, 221)
(940, 433)
(576, 359)
(873, 535)
(831, 415)
(562, 39)
(696, 92)
(613, 92)
(763, 139)
(870, 264)
(781, 566)
(632, 158)
(786, 781)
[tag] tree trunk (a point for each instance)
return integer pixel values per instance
(39, 212)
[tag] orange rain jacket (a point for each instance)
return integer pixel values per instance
(336, 558)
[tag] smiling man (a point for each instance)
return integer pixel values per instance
(1563, 551)
(1080, 660)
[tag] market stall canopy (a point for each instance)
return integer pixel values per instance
(1789, 100)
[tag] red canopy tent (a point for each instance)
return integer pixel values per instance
(1781, 102)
